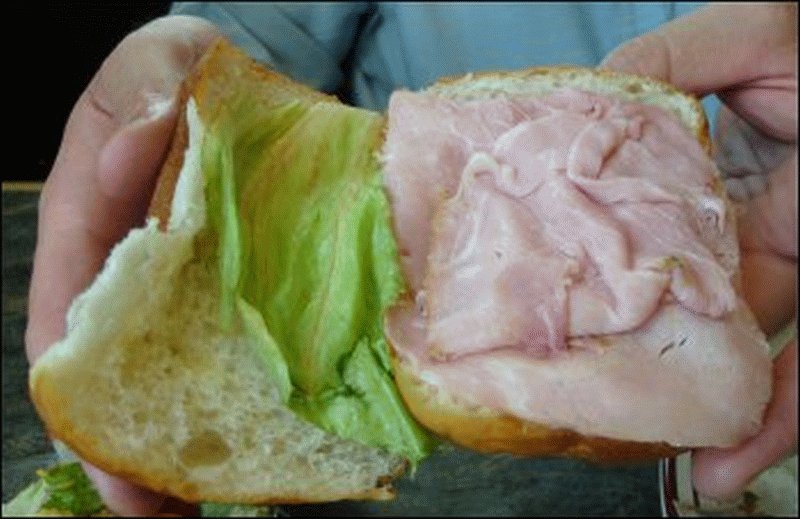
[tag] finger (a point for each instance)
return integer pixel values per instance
(80, 213)
(130, 500)
(769, 286)
(741, 151)
(770, 104)
(770, 222)
(122, 497)
(69, 247)
(153, 59)
(722, 473)
(82, 218)
(65, 261)
(128, 167)
(768, 238)
(715, 47)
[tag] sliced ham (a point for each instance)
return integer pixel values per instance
(570, 215)
(566, 256)
(665, 381)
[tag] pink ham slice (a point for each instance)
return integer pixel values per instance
(682, 378)
(552, 218)
(532, 230)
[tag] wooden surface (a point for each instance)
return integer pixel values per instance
(451, 482)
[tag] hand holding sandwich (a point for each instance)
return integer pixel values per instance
(747, 55)
(113, 197)
(102, 181)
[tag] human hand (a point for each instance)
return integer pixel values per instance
(99, 188)
(747, 55)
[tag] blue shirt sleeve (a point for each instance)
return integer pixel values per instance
(365, 51)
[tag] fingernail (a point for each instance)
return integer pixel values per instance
(158, 105)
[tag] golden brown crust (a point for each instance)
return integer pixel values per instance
(495, 433)
(161, 202)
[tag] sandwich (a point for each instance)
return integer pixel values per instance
(538, 262)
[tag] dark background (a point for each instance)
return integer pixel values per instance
(66, 44)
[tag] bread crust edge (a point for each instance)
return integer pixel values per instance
(52, 406)
(703, 131)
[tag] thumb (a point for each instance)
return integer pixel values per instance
(722, 473)
(82, 219)
(768, 238)
(770, 222)
(129, 164)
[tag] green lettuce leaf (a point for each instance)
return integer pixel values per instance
(294, 193)
(267, 349)
(71, 489)
(28, 502)
(63, 489)
(360, 407)
(66, 489)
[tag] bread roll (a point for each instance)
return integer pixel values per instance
(147, 386)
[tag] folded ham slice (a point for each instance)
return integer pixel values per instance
(533, 229)
(569, 215)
